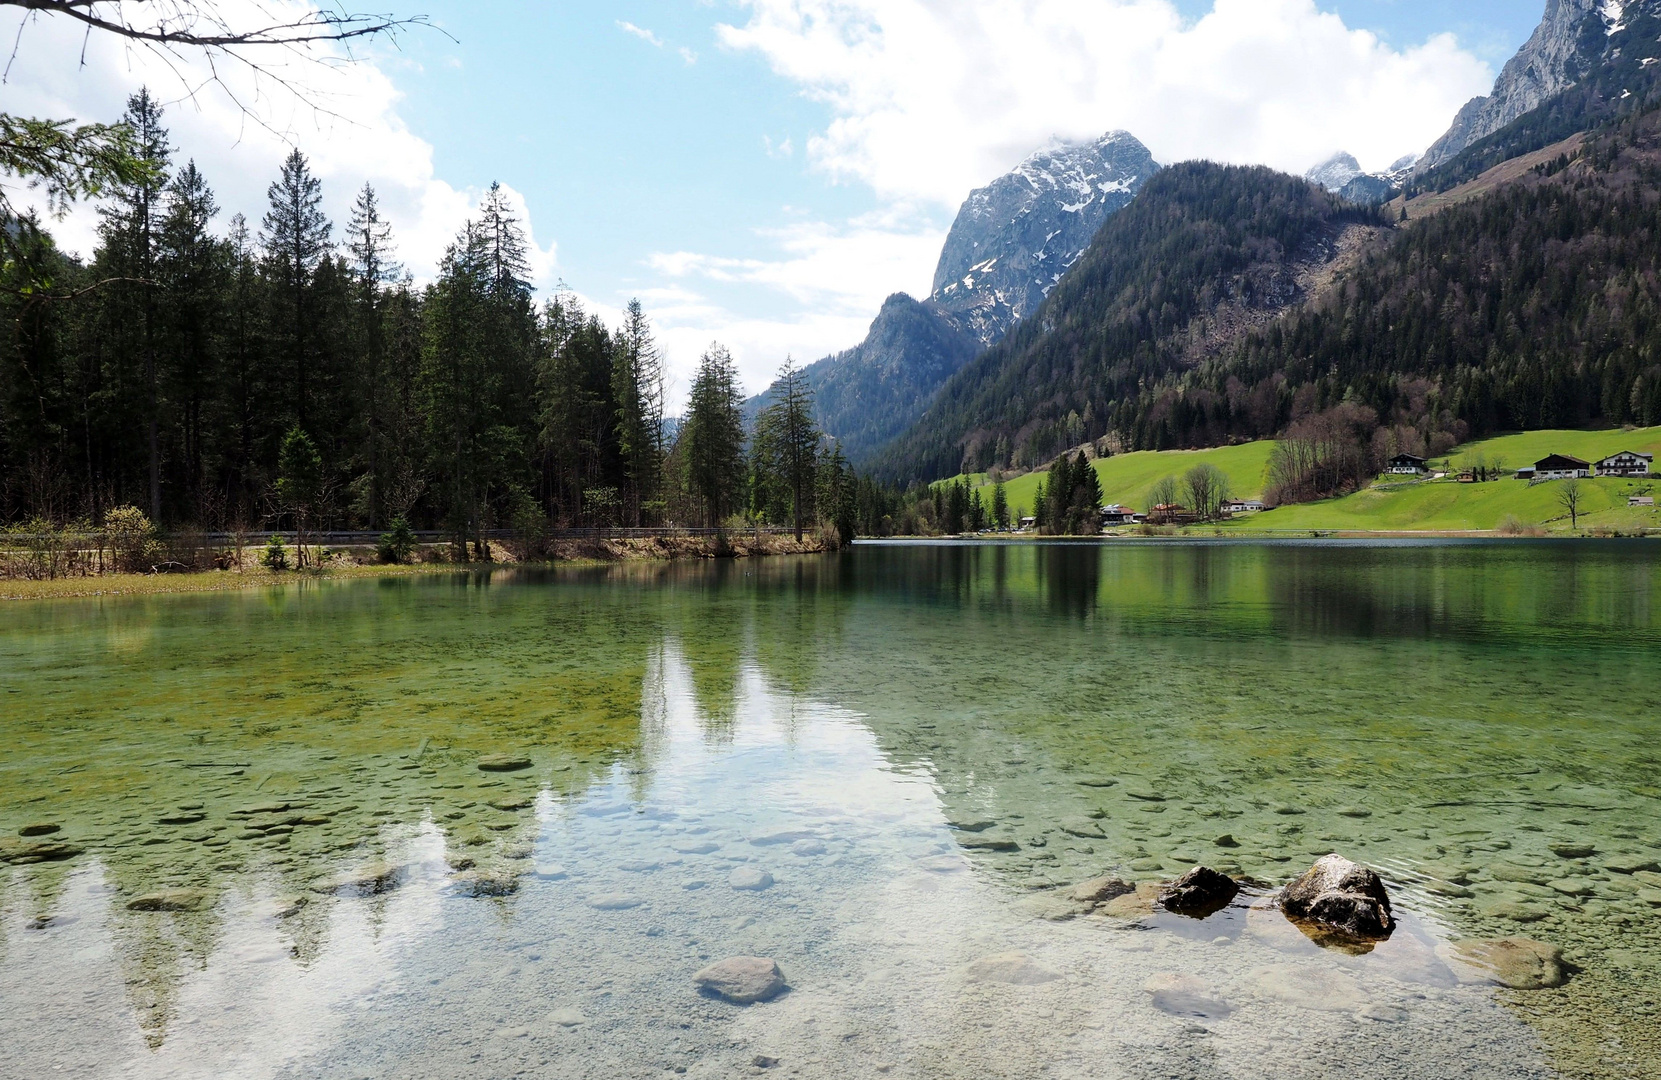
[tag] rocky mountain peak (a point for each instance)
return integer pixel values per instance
(1335, 171)
(1571, 37)
(1014, 238)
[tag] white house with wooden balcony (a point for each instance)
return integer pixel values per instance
(1626, 463)
(1561, 467)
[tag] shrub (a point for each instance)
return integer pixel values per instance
(276, 555)
(131, 538)
(396, 543)
(1512, 525)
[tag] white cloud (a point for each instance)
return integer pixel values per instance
(688, 55)
(343, 117)
(640, 32)
(930, 98)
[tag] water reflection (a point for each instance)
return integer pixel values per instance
(278, 799)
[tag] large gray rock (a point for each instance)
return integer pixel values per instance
(742, 980)
(1342, 895)
(1200, 892)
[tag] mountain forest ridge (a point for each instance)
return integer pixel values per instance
(1486, 286)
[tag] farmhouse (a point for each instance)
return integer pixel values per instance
(1243, 506)
(1118, 514)
(1525, 473)
(1561, 467)
(1625, 463)
(1407, 465)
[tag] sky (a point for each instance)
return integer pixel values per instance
(764, 173)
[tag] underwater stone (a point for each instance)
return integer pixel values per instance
(517, 802)
(1631, 864)
(1083, 827)
(478, 883)
(39, 828)
(1573, 851)
(171, 900)
(1514, 962)
(1185, 995)
(371, 880)
(1514, 910)
(1012, 968)
(1226, 840)
(1338, 893)
(503, 763)
(750, 879)
(1200, 892)
(20, 852)
(550, 871)
(808, 847)
(1099, 890)
(614, 902)
(983, 842)
(742, 980)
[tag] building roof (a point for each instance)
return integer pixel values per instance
(1561, 461)
(1408, 457)
(1628, 453)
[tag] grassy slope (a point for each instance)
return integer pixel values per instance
(1126, 478)
(1407, 505)
(1448, 505)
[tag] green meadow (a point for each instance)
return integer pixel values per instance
(1397, 503)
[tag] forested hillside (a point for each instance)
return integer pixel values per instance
(1203, 251)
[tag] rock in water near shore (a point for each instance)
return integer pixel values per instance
(1016, 969)
(171, 900)
(1200, 892)
(1340, 894)
(1515, 962)
(750, 879)
(503, 763)
(742, 980)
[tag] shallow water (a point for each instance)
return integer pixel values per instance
(917, 743)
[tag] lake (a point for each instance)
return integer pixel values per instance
(491, 824)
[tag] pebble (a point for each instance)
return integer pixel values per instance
(742, 980)
(1011, 968)
(567, 1017)
(750, 879)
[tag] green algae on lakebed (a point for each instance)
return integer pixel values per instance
(274, 783)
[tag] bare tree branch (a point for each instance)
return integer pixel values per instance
(198, 23)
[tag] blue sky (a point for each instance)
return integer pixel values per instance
(765, 171)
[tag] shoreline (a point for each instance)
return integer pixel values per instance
(566, 554)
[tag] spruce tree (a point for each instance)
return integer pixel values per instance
(711, 439)
(637, 390)
(191, 270)
(374, 267)
(793, 442)
(295, 237)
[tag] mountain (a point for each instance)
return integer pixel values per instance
(1011, 241)
(1588, 63)
(1204, 253)
(1015, 238)
(1342, 175)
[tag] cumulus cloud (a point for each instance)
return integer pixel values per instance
(342, 116)
(930, 98)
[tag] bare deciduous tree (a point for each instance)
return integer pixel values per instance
(1571, 497)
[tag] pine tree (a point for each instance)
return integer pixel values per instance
(711, 440)
(369, 240)
(295, 237)
(787, 430)
(190, 269)
(132, 233)
(637, 389)
(1000, 506)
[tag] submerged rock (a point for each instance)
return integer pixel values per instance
(371, 880)
(742, 980)
(1012, 968)
(21, 852)
(1309, 987)
(503, 763)
(1200, 892)
(614, 902)
(750, 879)
(1185, 995)
(1515, 962)
(1099, 890)
(171, 900)
(39, 828)
(485, 883)
(1343, 895)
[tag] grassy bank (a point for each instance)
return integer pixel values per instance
(1398, 504)
(253, 576)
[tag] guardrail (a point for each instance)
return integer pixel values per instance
(370, 538)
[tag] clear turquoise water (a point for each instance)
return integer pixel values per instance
(1458, 716)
